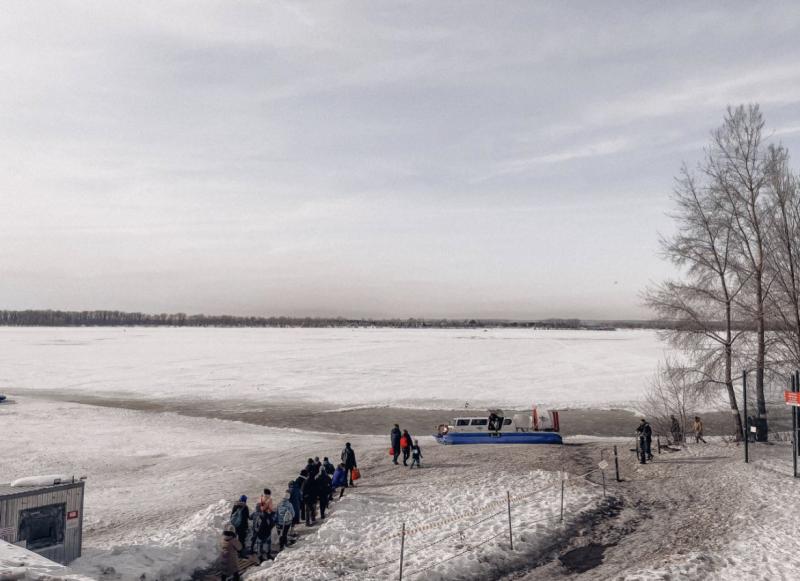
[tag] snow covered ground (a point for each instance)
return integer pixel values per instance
(338, 367)
(159, 485)
(456, 521)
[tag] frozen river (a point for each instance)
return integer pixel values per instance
(336, 367)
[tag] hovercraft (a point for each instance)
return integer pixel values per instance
(538, 427)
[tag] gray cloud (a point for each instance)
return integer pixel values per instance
(362, 158)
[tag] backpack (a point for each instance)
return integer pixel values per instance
(237, 518)
(404, 442)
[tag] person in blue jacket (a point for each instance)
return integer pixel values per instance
(339, 479)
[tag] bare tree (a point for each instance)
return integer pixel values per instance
(738, 168)
(701, 306)
(784, 257)
(674, 391)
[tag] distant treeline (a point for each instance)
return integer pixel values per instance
(48, 318)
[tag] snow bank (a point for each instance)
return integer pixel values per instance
(173, 554)
(338, 367)
(21, 564)
(444, 517)
(48, 480)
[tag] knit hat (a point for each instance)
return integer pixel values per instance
(243, 498)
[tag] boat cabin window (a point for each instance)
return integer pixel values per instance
(479, 422)
(507, 422)
(462, 422)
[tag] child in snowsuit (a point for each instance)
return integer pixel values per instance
(229, 555)
(416, 454)
(285, 518)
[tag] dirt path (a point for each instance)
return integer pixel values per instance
(667, 516)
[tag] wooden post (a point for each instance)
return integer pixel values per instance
(603, 472)
(402, 549)
(616, 464)
(561, 519)
(510, 536)
(746, 419)
(794, 429)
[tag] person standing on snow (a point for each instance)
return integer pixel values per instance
(240, 518)
(262, 533)
(324, 492)
(675, 428)
(298, 494)
(698, 430)
(285, 518)
(416, 455)
(349, 461)
(295, 490)
(230, 547)
(405, 445)
(395, 439)
(309, 490)
(646, 437)
(327, 466)
(266, 502)
(339, 480)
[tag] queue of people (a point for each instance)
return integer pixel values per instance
(306, 497)
(402, 443)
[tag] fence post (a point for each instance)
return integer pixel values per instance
(402, 548)
(510, 536)
(794, 429)
(746, 419)
(616, 464)
(658, 444)
(603, 472)
(561, 519)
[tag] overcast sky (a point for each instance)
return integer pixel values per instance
(488, 159)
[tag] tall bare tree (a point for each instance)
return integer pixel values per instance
(784, 257)
(738, 168)
(701, 307)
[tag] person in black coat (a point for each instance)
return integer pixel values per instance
(646, 436)
(395, 438)
(309, 491)
(240, 519)
(329, 468)
(297, 497)
(324, 492)
(349, 461)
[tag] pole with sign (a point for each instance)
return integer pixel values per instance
(746, 418)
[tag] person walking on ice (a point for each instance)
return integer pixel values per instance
(405, 445)
(698, 430)
(349, 461)
(395, 440)
(416, 455)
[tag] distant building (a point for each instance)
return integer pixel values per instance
(45, 519)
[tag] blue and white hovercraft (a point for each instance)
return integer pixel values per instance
(538, 427)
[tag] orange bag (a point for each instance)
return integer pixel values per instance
(391, 451)
(356, 474)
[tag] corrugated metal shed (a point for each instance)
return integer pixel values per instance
(47, 520)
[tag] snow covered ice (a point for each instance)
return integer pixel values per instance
(338, 367)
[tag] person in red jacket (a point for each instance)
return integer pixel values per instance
(405, 445)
